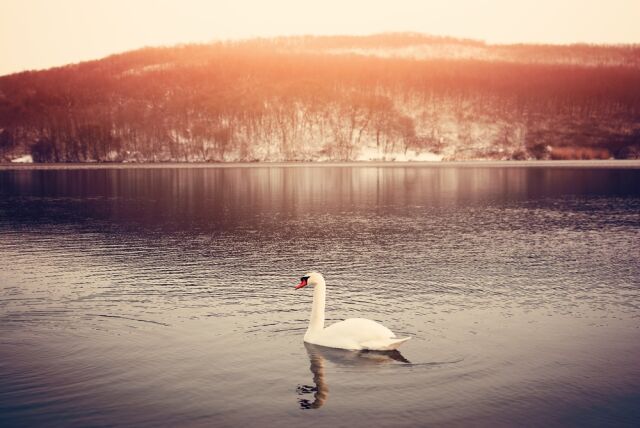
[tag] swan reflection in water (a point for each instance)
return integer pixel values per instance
(318, 355)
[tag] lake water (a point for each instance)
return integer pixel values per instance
(165, 297)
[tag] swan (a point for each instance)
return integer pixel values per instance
(353, 334)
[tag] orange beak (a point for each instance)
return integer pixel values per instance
(302, 284)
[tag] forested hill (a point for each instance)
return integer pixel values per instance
(381, 97)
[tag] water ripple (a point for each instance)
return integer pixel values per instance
(158, 297)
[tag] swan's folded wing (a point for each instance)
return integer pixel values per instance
(384, 344)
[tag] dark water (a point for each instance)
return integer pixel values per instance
(163, 297)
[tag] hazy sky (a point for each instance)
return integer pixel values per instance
(43, 33)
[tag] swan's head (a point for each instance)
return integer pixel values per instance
(311, 278)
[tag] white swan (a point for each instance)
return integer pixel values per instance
(354, 333)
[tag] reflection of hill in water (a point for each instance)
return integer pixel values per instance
(318, 355)
(248, 199)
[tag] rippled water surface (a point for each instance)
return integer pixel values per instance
(164, 297)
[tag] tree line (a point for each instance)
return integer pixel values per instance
(263, 100)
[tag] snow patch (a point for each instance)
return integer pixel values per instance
(147, 68)
(113, 156)
(23, 159)
(375, 154)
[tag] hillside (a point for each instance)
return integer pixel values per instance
(381, 97)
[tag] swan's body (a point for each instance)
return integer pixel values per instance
(354, 333)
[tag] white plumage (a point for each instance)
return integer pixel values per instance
(353, 333)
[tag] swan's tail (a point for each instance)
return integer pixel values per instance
(384, 344)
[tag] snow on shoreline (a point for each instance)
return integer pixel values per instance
(23, 159)
(618, 163)
(371, 154)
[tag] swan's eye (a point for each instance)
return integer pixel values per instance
(304, 279)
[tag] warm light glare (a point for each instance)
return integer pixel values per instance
(41, 33)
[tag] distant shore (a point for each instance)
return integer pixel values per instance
(449, 164)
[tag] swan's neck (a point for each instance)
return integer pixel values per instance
(316, 324)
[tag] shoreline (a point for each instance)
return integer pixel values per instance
(627, 164)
